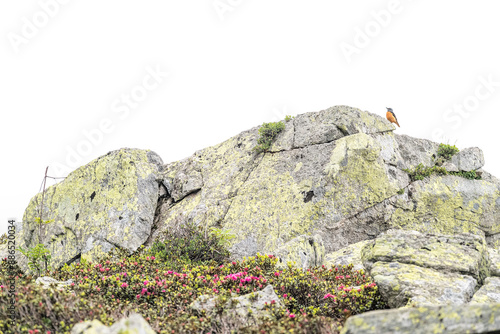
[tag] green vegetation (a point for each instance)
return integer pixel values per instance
(288, 118)
(401, 191)
(445, 152)
(420, 172)
(161, 282)
(472, 175)
(268, 133)
(190, 245)
(38, 258)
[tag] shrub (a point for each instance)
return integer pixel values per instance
(38, 258)
(315, 300)
(421, 171)
(191, 244)
(268, 132)
(288, 118)
(472, 175)
(445, 152)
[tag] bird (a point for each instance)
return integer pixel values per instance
(391, 117)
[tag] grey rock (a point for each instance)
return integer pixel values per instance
(412, 268)
(462, 253)
(469, 159)
(416, 151)
(134, 324)
(406, 284)
(477, 318)
(304, 251)
(107, 203)
(489, 292)
(248, 309)
(337, 174)
(47, 282)
(348, 255)
(450, 167)
(495, 261)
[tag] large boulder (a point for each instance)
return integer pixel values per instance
(412, 268)
(249, 309)
(107, 203)
(477, 318)
(337, 175)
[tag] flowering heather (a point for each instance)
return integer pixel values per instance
(316, 300)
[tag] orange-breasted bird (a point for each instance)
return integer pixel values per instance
(391, 117)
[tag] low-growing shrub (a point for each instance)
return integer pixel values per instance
(191, 244)
(420, 172)
(447, 151)
(267, 134)
(471, 175)
(316, 300)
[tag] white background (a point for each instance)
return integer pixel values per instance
(232, 64)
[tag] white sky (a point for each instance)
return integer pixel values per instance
(232, 65)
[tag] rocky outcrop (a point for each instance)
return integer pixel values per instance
(248, 309)
(331, 179)
(475, 318)
(337, 174)
(108, 203)
(418, 269)
(135, 323)
(466, 160)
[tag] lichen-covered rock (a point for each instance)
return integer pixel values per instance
(462, 253)
(248, 309)
(489, 292)
(134, 324)
(304, 251)
(449, 205)
(475, 318)
(334, 123)
(348, 255)
(338, 174)
(468, 159)
(90, 327)
(299, 188)
(107, 203)
(494, 255)
(410, 285)
(46, 282)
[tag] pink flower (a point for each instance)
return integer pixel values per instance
(270, 256)
(152, 257)
(292, 315)
(284, 296)
(124, 285)
(138, 296)
(146, 282)
(144, 290)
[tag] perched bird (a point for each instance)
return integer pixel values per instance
(391, 117)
